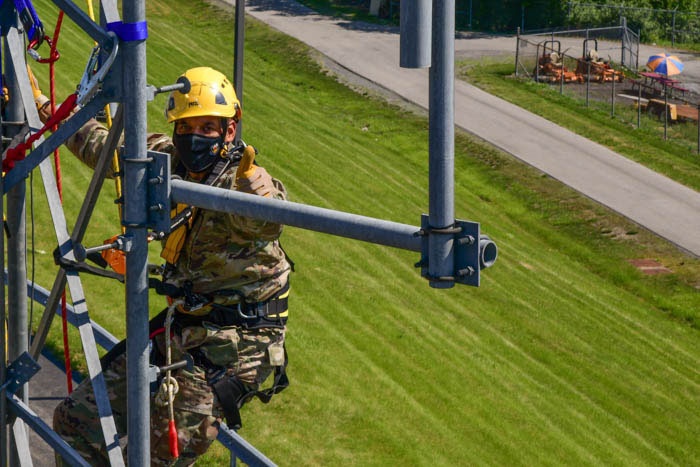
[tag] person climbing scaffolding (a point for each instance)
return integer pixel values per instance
(227, 281)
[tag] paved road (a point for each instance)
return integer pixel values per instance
(653, 201)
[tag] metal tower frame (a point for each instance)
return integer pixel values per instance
(452, 251)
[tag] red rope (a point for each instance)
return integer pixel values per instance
(59, 184)
(17, 153)
(52, 90)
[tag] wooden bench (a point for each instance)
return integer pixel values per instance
(658, 107)
(687, 112)
(635, 99)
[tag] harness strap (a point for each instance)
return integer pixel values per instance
(176, 239)
(232, 393)
(184, 215)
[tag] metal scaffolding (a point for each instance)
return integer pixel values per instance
(452, 251)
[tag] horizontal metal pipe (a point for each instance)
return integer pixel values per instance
(242, 448)
(347, 225)
(40, 427)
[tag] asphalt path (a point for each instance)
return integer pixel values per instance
(653, 201)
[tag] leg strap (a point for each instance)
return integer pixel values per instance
(232, 393)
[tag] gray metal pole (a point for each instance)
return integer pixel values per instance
(612, 95)
(298, 215)
(665, 112)
(17, 340)
(517, 51)
(624, 37)
(239, 40)
(4, 451)
(639, 106)
(415, 34)
(136, 218)
(441, 165)
(673, 27)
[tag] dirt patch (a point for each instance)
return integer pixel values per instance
(650, 267)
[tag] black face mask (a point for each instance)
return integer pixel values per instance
(197, 153)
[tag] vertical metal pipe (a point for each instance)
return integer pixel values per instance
(17, 340)
(415, 34)
(135, 218)
(4, 452)
(239, 42)
(612, 94)
(561, 75)
(470, 14)
(517, 51)
(624, 37)
(673, 27)
(441, 165)
(639, 106)
(665, 112)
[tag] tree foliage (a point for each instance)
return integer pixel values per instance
(654, 19)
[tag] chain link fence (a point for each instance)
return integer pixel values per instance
(599, 68)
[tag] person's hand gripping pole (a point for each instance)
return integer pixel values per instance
(40, 100)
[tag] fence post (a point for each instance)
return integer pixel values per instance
(639, 107)
(665, 112)
(561, 76)
(517, 49)
(673, 27)
(612, 108)
(588, 70)
(624, 39)
(470, 15)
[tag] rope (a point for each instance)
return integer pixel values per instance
(169, 387)
(59, 184)
(115, 157)
(17, 153)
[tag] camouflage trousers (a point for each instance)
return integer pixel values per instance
(251, 355)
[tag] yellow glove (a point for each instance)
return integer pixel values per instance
(39, 98)
(245, 166)
(252, 178)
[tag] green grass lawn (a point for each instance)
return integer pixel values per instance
(566, 354)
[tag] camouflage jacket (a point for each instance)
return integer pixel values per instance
(222, 252)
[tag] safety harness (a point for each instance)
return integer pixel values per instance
(183, 215)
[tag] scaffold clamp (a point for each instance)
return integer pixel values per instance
(20, 372)
(159, 192)
(472, 251)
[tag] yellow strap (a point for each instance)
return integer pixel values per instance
(176, 239)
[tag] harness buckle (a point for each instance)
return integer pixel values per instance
(256, 310)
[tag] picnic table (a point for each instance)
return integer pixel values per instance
(652, 79)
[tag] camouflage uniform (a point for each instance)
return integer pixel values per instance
(221, 252)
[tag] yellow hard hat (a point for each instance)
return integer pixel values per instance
(207, 92)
